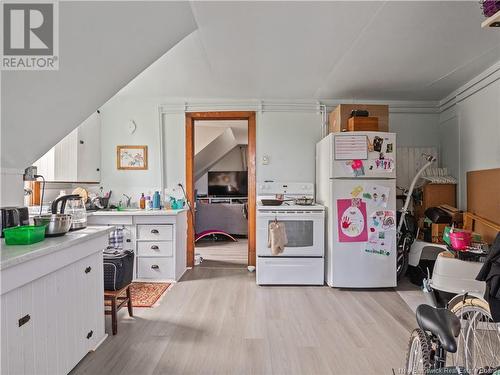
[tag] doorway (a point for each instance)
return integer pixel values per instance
(196, 173)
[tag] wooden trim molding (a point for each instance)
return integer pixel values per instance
(36, 193)
(252, 189)
(252, 178)
(190, 190)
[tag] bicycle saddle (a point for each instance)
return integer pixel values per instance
(441, 323)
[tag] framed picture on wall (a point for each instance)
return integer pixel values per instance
(132, 157)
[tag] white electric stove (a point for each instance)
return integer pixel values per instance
(302, 261)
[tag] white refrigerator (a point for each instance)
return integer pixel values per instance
(356, 182)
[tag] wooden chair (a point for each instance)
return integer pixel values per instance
(117, 302)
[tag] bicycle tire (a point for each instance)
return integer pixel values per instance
(475, 306)
(419, 352)
(403, 249)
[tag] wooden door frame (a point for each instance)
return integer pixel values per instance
(191, 117)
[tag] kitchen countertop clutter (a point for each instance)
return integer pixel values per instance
(136, 212)
(13, 255)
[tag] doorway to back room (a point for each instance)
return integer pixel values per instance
(220, 181)
(221, 193)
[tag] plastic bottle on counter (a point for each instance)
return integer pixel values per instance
(149, 203)
(156, 200)
(142, 202)
(166, 200)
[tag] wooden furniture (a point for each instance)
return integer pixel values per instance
(487, 228)
(158, 239)
(434, 195)
(369, 124)
(117, 301)
(338, 119)
(52, 303)
(483, 194)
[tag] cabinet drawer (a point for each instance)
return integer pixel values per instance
(155, 232)
(152, 249)
(155, 268)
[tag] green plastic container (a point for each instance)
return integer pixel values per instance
(24, 235)
(446, 235)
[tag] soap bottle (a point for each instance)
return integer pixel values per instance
(149, 203)
(156, 200)
(142, 202)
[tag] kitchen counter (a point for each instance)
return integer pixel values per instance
(157, 237)
(17, 254)
(136, 212)
(52, 301)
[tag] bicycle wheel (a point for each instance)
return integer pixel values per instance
(479, 339)
(403, 254)
(418, 356)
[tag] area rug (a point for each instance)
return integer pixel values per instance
(146, 294)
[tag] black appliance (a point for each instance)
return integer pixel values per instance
(13, 217)
(228, 184)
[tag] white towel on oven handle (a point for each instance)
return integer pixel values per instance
(277, 239)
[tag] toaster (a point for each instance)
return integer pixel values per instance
(13, 217)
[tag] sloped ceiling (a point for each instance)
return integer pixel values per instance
(102, 46)
(408, 50)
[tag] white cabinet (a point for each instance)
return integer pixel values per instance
(49, 324)
(155, 232)
(89, 150)
(159, 242)
(77, 157)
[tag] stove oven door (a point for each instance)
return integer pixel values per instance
(304, 230)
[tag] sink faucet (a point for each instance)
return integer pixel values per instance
(128, 199)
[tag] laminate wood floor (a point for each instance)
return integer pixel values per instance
(228, 254)
(218, 321)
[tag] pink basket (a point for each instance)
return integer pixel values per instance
(460, 240)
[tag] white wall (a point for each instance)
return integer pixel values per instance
(415, 129)
(449, 140)
(11, 187)
(115, 118)
(287, 136)
(204, 135)
(470, 127)
(289, 139)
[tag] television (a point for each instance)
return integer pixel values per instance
(228, 184)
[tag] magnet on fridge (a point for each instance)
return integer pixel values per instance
(356, 191)
(358, 168)
(388, 148)
(377, 143)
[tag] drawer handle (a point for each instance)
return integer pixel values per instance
(154, 231)
(154, 247)
(128, 240)
(25, 319)
(155, 267)
(89, 335)
(88, 269)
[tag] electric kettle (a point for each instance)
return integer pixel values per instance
(73, 205)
